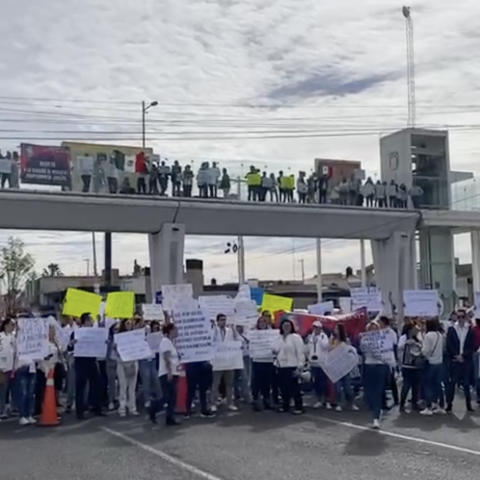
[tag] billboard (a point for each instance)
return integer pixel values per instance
(101, 168)
(337, 170)
(45, 165)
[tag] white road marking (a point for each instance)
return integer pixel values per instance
(164, 456)
(399, 436)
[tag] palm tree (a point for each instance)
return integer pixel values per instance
(52, 270)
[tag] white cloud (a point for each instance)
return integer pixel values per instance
(189, 53)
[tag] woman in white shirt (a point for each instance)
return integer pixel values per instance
(290, 359)
(432, 350)
(7, 355)
(169, 370)
(318, 345)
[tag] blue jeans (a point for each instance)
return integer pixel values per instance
(26, 389)
(241, 382)
(169, 390)
(320, 384)
(4, 390)
(149, 377)
(433, 376)
(345, 385)
(375, 379)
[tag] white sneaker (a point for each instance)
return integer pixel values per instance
(338, 408)
(134, 413)
(31, 421)
(122, 413)
(213, 408)
(354, 408)
(318, 405)
(376, 424)
(328, 406)
(23, 421)
(233, 408)
(440, 411)
(148, 403)
(426, 412)
(111, 406)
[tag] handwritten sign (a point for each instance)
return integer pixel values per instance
(379, 344)
(194, 341)
(338, 362)
(246, 313)
(217, 304)
(90, 342)
(421, 303)
(78, 302)
(370, 298)
(174, 295)
(153, 311)
(32, 339)
(227, 356)
(132, 345)
(262, 342)
(120, 304)
(321, 308)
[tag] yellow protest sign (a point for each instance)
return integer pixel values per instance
(78, 302)
(120, 305)
(276, 303)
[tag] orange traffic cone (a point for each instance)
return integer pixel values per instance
(49, 417)
(182, 390)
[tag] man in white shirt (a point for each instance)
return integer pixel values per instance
(318, 345)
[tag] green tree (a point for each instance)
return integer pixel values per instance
(16, 266)
(52, 270)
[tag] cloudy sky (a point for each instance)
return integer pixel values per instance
(233, 78)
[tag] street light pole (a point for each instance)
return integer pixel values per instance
(145, 108)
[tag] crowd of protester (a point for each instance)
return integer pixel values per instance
(166, 178)
(429, 369)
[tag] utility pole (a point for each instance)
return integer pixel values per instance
(410, 44)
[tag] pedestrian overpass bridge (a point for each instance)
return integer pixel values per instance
(168, 220)
(65, 211)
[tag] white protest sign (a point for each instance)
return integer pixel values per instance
(90, 342)
(175, 295)
(262, 342)
(246, 313)
(32, 339)
(216, 304)
(321, 308)
(345, 304)
(132, 345)
(420, 303)
(62, 335)
(379, 344)
(227, 356)
(5, 166)
(6, 353)
(153, 340)
(194, 341)
(153, 311)
(370, 298)
(338, 362)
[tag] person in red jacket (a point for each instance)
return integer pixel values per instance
(141, 169)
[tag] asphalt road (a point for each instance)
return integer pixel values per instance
(246, 446)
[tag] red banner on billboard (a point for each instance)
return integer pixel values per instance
(44, 165)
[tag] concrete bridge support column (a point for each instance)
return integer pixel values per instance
(475, 241)
(395, 269)
(437, 265)
(166, 248)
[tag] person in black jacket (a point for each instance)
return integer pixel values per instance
(460, 354)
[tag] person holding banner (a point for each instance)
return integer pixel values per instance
(87, 375)
(262, 371)
(376, 371)
(344, 385)
(127, 373)
(222, 333)
(318, 345)
(169, 370)
(289, 354)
